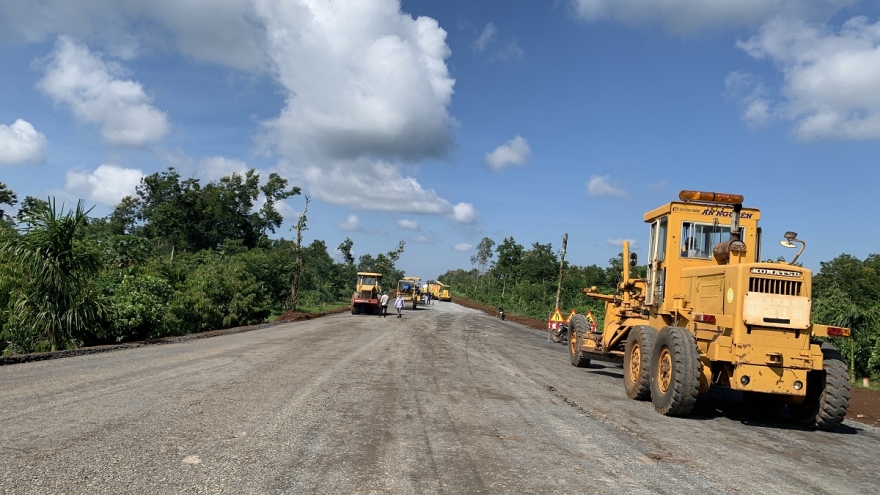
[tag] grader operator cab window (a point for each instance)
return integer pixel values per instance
(368, 281)
(698, 239)
(656, 277)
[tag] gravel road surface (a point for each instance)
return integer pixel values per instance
(444, 400)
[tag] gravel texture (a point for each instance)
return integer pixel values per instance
(444, 400)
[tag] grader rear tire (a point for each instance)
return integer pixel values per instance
(675, 372)
(576, 328)
(827, 393)
(637, 362)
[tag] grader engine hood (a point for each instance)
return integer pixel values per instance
(774, 298)
(759, 294)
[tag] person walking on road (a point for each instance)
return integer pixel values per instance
(398, 303)
(383, 305)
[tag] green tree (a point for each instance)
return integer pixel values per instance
(52, 298)
(508, 266)
(7, 197)
(484, 255)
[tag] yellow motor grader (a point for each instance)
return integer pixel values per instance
(710, 312)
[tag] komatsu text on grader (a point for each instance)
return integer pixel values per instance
(709, 312)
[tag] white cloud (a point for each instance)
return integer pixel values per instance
(225, 33)
(107, 184)
(383, 189)
(352, 223)
(619, 242)
(368, 92)
(514, 152)
(96, 92)
(217, 167)
(485, 37)
(408, 224)
(464, 213)
(599, 186)
(463, 247)
(830, 78)
(427, 238)
(21, 143)
(367, 87)
(690, 16)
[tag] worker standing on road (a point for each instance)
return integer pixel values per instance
(383, 305)
(398, 303)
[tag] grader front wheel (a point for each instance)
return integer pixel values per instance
(637, 362)
(576, 329)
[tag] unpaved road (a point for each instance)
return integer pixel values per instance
(445, 400)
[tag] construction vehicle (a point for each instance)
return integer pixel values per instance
(411, 289)
(710, 312)
(367, 292)
(440, 291)
(445, 292)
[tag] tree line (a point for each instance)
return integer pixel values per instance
(177, 257)
(846, 291)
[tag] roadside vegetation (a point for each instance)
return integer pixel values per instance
(179, 257)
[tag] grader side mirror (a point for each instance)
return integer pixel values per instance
(633, 259)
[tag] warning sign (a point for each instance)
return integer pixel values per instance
(573, 312)
(555, 320)
(591, 321)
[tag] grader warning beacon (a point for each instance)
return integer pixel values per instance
(709, 312)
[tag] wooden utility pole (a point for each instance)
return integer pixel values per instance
(298, 260)
(561, 265)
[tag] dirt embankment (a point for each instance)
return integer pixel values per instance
(864, 404)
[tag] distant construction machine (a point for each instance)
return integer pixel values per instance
(410, 289)
(710, 312)
(367, 292)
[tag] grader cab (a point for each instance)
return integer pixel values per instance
(710, 312)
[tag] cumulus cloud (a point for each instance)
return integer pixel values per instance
(352, 223)
(368, 92)
(600, 186)
(217, 167)
(96, 92)
(383, 189)
(21, 143)
(485, 37)
(107, 184)
(830, 79)
(463, 247)
(408, 224)
(427, 238)
(514, 152)
(690, 16)
(619, 242)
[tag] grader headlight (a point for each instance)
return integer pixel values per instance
(711, 197)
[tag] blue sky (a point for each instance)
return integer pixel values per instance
(440, 123)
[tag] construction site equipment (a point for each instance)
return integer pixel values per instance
(367, 292)
(710, 312)
(411, 289)
(440, 291)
